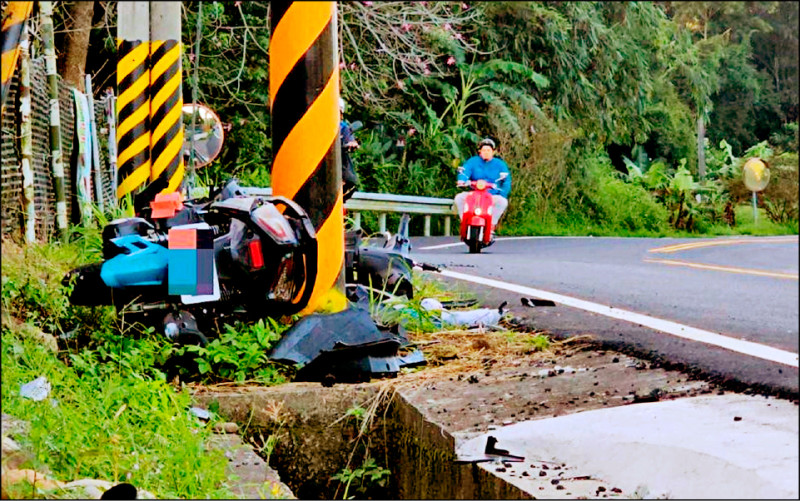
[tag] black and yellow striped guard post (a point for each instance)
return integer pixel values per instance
(166, 99)
(133, 117)
(133, 101)
(14, 17)
(304, 94)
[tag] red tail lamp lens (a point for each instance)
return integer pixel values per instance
(256, 255)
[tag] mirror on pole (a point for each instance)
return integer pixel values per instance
(755, 175)
(206, 137)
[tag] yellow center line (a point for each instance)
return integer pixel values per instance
(711, 243)
(729, 269)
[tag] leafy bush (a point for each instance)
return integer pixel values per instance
(780, 198)
(538, 156)
(621, 205)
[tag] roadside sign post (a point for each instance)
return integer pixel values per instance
(755, 175)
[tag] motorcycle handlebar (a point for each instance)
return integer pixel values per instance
(474, 184)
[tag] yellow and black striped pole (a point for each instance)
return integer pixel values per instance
(133, 101)
(304, 95)
(14, 18)
(166, 99)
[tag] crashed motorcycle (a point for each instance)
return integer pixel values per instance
(476, 220)
(182, 265)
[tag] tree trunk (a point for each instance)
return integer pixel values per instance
(78, 26)
(701, 150)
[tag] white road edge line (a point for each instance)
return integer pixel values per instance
(684, 331)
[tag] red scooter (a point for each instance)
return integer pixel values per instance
(476, 221)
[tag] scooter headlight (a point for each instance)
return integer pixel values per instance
(481, 184)
(478, 211)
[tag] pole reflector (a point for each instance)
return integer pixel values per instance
(304, 95)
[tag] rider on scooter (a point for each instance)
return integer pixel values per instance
(485, 166)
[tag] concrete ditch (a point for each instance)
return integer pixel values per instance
(419, 422)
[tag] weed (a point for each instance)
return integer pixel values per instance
(368, 474)
(239, 354)
(369, 477)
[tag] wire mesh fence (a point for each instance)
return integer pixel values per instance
(12, 212)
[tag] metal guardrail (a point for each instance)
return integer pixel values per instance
(383, 203)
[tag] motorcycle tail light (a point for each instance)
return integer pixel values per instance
(269, 219)
(256, 256)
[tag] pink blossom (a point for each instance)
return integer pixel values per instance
(464, 6)
(406, 26)
(342, 65)
(447, 26)
(424, 4)
(459, 36)
(426, 71)
(353, 66)
(367, 3)
(237, 3)
(412, 131)
(451, 61)
(400, 85)
(191, 57)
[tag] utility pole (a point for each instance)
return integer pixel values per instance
(133, 100)
(304, 95)
(166, 99)
(14, 18)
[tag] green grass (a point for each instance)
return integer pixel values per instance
(111, 414)
(111, 422)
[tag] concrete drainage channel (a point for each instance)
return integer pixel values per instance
(315, 438)
(420, 424)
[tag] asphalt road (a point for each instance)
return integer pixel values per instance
(742, 288)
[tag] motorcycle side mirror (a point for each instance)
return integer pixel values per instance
(356, 125)
(205, 137)
(503, 175)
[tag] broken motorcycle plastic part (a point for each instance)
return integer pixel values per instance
(342, 347)
(491, 453)
(533, 302)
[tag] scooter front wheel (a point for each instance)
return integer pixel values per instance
(474, 239)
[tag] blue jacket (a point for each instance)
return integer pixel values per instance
(346, 132)
(477, 168)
